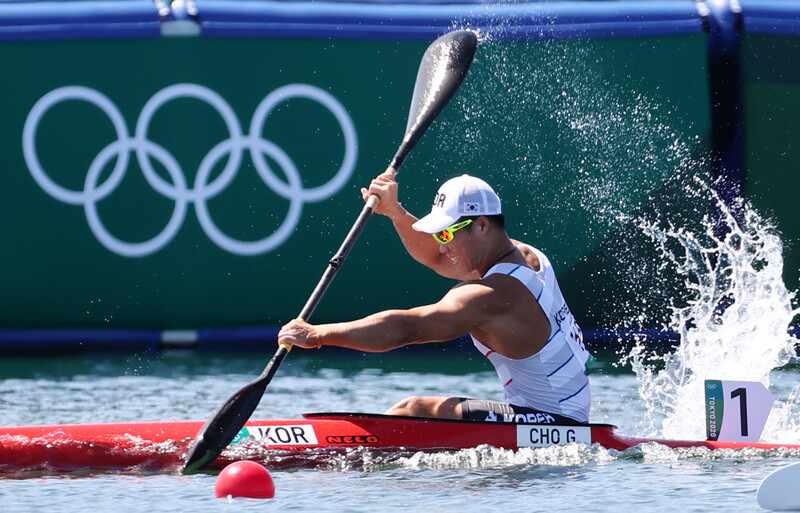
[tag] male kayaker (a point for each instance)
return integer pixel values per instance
(508, 300)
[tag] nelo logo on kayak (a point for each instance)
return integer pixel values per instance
(352, 439)
(279, 435)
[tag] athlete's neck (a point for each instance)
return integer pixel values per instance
(513, 249)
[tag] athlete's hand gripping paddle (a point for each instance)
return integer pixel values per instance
(442, 70)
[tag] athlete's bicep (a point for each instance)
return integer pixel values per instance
(463, 309)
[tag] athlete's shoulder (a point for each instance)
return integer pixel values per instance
(535, 258)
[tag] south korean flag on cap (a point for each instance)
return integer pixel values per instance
(471, 208)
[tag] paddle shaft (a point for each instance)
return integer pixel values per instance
(334, 265)
(443, 68)
(233, 414)
(338, 259)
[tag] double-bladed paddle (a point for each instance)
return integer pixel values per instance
(444, 66)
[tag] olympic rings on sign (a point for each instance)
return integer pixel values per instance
(201, 190)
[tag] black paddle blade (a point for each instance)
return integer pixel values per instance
(223, 427)
(231, 417)
(441, 72)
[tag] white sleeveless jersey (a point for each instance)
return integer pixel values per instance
(555, 379)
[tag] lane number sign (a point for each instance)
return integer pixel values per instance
(736, 411)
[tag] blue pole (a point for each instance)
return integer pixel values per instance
(723, 21)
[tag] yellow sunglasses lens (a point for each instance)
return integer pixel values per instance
(446, 235)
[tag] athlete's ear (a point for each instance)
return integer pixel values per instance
(483, 223)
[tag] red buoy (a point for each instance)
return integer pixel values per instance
(245, 479)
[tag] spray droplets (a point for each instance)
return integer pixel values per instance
(734, 317)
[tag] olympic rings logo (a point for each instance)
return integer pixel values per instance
(202, 190)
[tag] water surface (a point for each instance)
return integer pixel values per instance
(189, 386)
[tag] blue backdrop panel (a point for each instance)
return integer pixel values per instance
(70, 20)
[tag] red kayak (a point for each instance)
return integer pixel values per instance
(161, 446)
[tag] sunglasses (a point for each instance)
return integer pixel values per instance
(446, 236)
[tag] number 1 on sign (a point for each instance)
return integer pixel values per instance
(742, 394)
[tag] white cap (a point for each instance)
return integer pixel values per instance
(458, 197)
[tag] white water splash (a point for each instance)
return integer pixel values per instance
(579, 142)
(733, 327)
(486, 456)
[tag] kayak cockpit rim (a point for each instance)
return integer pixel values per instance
(355, 415)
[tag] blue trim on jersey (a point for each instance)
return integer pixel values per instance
(562, 365)
(553, 335)
(576, 393)
(513, 270)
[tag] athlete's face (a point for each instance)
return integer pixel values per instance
(461, 250)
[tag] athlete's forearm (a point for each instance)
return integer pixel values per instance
(377, 333)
